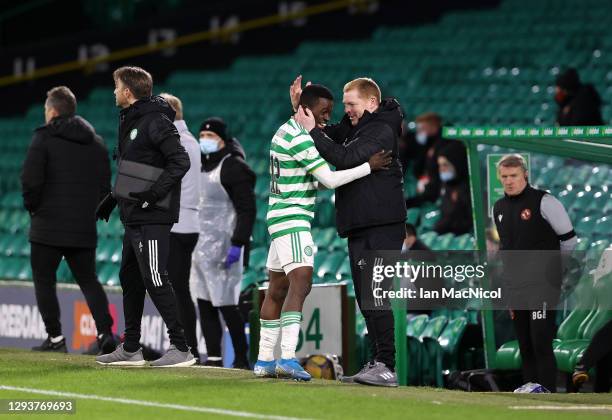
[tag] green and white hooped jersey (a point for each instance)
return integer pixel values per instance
(293, 188)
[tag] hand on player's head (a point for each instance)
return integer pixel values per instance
(305, 118)
(295, 91)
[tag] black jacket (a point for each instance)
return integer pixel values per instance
(456, 206)
(238, 179)
(377, 199)
(65, 174)
(581, 108)
(147, 135)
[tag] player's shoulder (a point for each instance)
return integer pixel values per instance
(292, 132)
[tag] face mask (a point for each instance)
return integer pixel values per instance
(421, 138)
(446, 176)
(208, 145)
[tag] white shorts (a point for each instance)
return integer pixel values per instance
(291, 251)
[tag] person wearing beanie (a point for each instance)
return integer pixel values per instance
(227, 216)
(456, 207)
(579, 104)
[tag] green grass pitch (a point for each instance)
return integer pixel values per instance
(147, 393)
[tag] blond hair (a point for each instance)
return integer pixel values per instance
(175, 103)
(512, 160)
(366, 87)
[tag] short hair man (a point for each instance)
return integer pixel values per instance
(147, 136)
(65, 174)
(184, 234)
(530, 219)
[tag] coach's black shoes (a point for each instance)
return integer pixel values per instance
(351, 379)
(56, 344)
(106, 343)
(377, 375)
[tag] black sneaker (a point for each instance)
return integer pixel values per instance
(214, 363)
(47, 345)
(106, 343)
(241, 364)
(351, 379)
(377, 375)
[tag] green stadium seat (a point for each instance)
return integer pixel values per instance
(257, 260)
(414, 328)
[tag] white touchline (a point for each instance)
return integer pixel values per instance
(219, 411)
(561, 407)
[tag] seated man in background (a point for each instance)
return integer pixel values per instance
(579, 103)
(424, 151)
(456, 207)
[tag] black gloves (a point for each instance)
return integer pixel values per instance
(145, 198)
(105, 207)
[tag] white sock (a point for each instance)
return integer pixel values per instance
(268, 336)
(57, 339)
(290, 326)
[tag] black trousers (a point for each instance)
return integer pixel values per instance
(212, 331)
(363, 245)
(535, 331)
(45, 260)
(599, 356)
(179, 267)
(143, 269)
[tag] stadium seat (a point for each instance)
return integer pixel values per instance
(431, 355)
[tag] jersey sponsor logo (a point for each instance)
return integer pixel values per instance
(526, 214)
(133, 134)
(361, 263)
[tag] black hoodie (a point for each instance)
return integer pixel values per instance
(581, 108)
(65, 174)
(147, 135)
(456, 207)
(377, 199)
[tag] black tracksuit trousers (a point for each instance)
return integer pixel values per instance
(144, 269)
(45, 260)
(363, 245)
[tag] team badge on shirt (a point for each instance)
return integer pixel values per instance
(526, 214)
(133, 134)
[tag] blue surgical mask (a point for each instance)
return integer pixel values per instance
(421, 138)
(208, 145)
(446, 176)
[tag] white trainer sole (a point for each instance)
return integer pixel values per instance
(124, 363)
(181, 364)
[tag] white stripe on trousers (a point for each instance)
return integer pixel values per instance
(153, 262)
